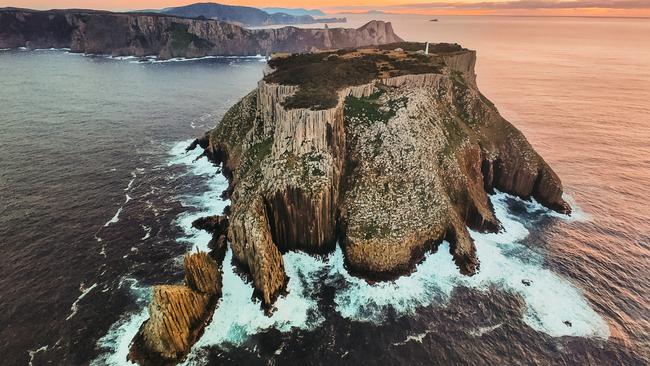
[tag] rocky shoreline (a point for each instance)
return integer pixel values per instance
(388, 162)
(167, 36)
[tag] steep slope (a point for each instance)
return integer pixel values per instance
(122, 34)
(385, 151)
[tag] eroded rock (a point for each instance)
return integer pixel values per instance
(178, 313)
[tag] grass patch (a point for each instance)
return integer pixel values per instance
(369, 109)
(372, 230)
(320, 75)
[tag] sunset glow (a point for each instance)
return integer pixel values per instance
(622, 8)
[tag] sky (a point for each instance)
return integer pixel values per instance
(639, 8)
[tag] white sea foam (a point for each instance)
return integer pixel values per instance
(130, 183)
(118, 339)
(32, 353)
(208, 203)
(534, 207)
(413, 338)
(154, 59)
(115, 218)
(51, 49)
(147, 231)
(550, 299)
(484, 330)
(238, 316)
(75, 305)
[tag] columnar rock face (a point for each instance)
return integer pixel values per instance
(145, 34)
(174, 313)
(401, 156)
(202, 274)
(178, 313)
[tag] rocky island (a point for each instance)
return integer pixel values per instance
(386, 151)
(167, 36)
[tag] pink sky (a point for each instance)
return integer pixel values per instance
(639, 8)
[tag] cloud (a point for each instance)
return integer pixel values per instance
(519, 4)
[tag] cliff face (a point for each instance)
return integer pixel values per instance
(385, 151)
(403, 157)
(122, 34)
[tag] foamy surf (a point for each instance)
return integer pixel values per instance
(75, 305)
(551, 302)
(208, 203)
(118, 339)
(238, 316)
(553, 305)
(116, 342)
(154, 59)
(147, 232)
(115, 218)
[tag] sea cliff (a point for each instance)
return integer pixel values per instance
(385, 151)
(388, 161)
(166, 36)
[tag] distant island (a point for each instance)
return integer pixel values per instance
(249, 16)
(295, 11)
(386, 150)
(167, 36)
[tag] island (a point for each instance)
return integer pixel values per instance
(168, 36)
(385, 151)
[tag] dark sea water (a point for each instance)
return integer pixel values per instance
(97, 197)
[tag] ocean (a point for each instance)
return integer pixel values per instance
(98, 196)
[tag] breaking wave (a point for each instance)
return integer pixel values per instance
(551, 301)
(117, 340)
(238, 315)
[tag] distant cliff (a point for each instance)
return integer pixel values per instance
(244, 15)
(140, 34)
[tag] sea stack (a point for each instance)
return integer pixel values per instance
(385, 150)
(178, 313)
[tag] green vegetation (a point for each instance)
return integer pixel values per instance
(460, 94)
(420, 46)
(181, 38)
(310, 166)
(320, 75)
(369, 109)
(234, 125)
(371, 230)
(260, 150)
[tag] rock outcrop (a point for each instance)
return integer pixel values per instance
(178, 313)
(165, 36)
(388, 152)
